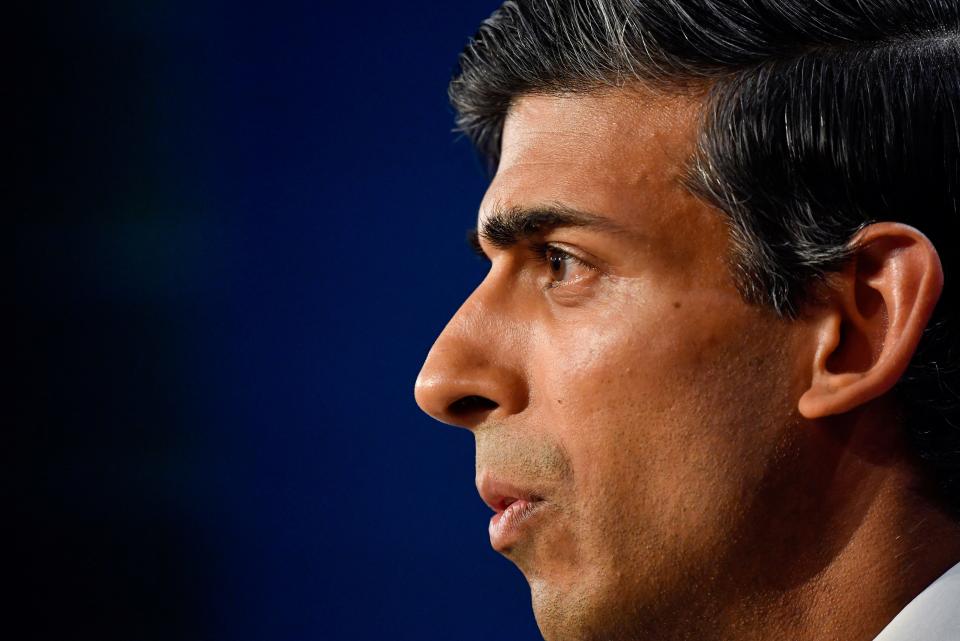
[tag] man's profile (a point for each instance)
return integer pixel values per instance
(712, 372)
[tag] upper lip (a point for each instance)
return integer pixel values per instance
(498, 494)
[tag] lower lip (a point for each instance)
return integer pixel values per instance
(508, 526)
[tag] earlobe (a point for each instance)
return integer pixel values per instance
(866, 332)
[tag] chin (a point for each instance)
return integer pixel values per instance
(573, 613)
(557, 618)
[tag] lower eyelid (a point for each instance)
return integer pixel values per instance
(572, 284)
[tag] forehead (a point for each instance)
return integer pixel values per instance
(621, 153)
(612, 121)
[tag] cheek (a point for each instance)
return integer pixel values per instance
(642, 359)
(651, 402)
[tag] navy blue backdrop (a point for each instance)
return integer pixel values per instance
(239, 227)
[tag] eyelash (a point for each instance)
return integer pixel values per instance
(543, 251)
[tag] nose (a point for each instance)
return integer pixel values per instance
(473, 372)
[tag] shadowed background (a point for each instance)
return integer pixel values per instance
(238, 229)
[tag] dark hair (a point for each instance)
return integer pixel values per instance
(821, 117)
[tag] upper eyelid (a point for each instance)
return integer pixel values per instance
(540, 248)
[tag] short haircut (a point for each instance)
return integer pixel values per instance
(819, 119)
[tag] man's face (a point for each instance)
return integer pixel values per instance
(614, 379)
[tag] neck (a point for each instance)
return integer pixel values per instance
(856, 543)
(901, 546)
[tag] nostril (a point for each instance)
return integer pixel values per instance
(471, 405)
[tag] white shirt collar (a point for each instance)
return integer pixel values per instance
(933, 616)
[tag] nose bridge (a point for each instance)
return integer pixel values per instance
(475, 367)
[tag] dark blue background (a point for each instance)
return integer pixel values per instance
(238, 229)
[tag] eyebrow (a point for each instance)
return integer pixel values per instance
(507, 227)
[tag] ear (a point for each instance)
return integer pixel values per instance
(868, 329)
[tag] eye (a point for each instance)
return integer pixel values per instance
(564, 267)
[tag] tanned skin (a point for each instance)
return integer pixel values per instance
(704, 468)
